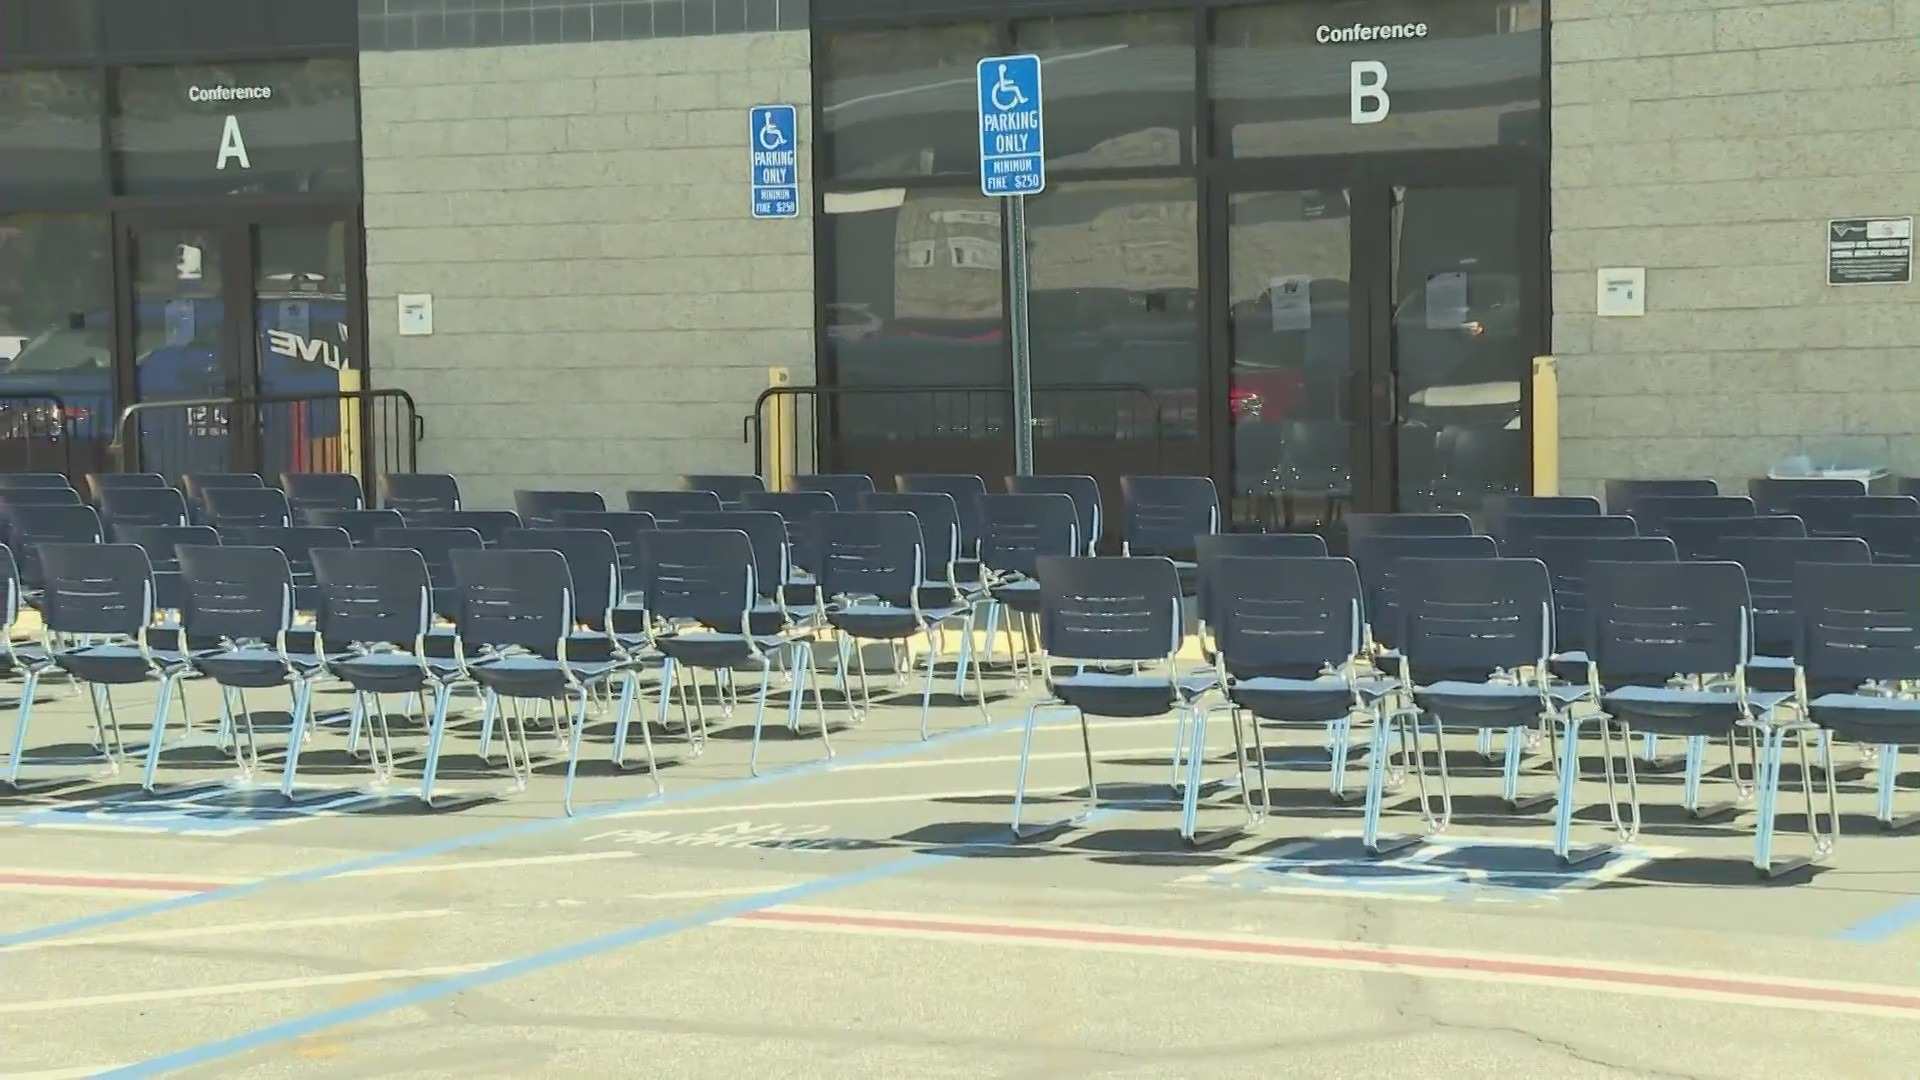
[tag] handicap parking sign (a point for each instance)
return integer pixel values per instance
(1013, 159)
(773, 152)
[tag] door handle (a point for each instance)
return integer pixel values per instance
(1386, 397)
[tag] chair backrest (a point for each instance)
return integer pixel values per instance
(1856, 624)
(307, 492)
(732, 488)
(162, 544)
(1828, 515)
(625, 526)
(1016, 530)
(1566, 558)
(846, 488)
(1703, 538)
(100, 483)
(1654, 511)
(38, 496)
(1163, 514)
(1505, 504)
(419, 492)
(1379, 558)
(1648, 621)
(871, 553)
(30, 527)
(1109, 609)
(196, 485)
(1466, 619)
(766, 535)
(667, 506)
(142, 506)
(593, 568)
(797, 509)
(101, 589)
(1208, 551)
(966, 490)
(10, 581)
(1519, 533)
(1776, 496)
(1893, 539)
(236, 593)
(705, 575)
(372, 596)
(1623, 494)
(1770, 563)
(542, 509)
(1282, 616)
(298, 545)
(23, 481)
(513, 599)
(492, 525)
(939, 524)
(1083, 490)
(362, 526)
(1367, 526)
(435, 548)
(257, 506)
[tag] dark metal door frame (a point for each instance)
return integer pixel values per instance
(1369, 180)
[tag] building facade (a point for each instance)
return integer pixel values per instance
(1308, 247)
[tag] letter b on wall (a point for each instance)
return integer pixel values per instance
(1368, 83)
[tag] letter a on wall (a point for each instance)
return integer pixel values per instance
(232, 146)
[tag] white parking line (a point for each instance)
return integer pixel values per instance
(270, 986)
(1003, 791)
(408, 869)
(223, 930)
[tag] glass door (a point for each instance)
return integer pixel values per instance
(181, 341)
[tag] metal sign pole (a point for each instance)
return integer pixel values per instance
(1023, 421)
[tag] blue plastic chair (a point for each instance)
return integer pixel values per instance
(241, 507)
(413, 493)
(872, 582)
(667, 506)
(1288, 649)
(1378, 558)
(26, 481)
(16, 660)
(1704, 539)
(1519, 535)
(121, 507)
(1777, 495)
(1647, 621)
(731, 489)
(517, 614)
(542, 509)
(1831, 516)
(99, 484)
(1857, 645)
(362, 526)
(308, 492)
(1102, 612)
(1083, 490)
(966, 490)
(492, 525)
(950, 579)
(1362, 527)
(1016, 531)
(1654, 511)
(1893, 539)
(196, 486)
(797, 509)
(436, 548)
(846, 488)
(1771, 564)
(1163, 515)
(1505, 505)
(1621, 495)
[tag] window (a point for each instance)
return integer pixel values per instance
(1119, 88)
(899, 103)
(1115, 271)
(50, 139)
(56, 332)
(1375, 75)
(233, 128)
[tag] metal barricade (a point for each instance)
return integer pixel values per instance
(363, 432)
(38, 434)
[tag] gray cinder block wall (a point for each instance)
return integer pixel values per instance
(1710, 141)
(605, 309)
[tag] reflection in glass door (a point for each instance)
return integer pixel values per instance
(1461, 346)
(183, 345)
(1290, 338)
(304, 347)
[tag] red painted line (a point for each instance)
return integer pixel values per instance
(75, 881)
(1754, 987)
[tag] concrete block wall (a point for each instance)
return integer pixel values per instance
(1710, 141)
(605, 309)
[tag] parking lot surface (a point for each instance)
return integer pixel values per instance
(871, 916)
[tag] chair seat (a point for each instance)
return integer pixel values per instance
(1022, 596)
(1868, 718)
(1480, 705)
(709, 649)
(880, 622)
(253, 668)
(117, 665)
(24, 657)
(1318, 700)
(392, 673)
(1666, 710)
(1115, 694)
(536, 676)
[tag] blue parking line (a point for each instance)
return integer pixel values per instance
(459, 843)
(1884, 925)
(303, 1026)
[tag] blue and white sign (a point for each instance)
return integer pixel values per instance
(1013, 150)
(773, 141)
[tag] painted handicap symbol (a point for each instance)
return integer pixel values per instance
(771, 137)
(1005, 95)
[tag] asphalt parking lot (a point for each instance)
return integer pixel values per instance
(870, 917)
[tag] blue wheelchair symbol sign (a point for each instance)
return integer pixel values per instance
(774, 158)
(1013, 158)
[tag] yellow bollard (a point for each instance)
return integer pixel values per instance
(1545, 426)
(777, 438)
